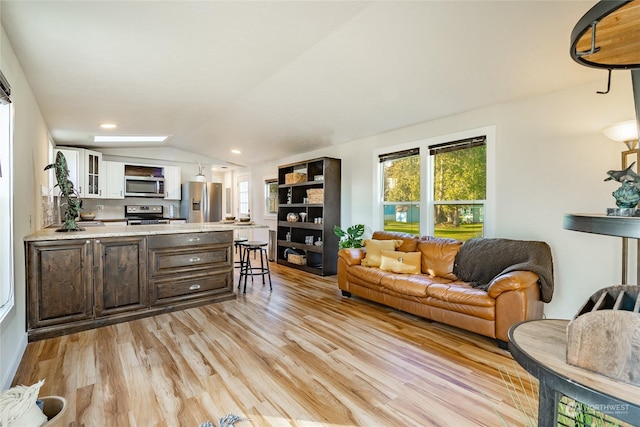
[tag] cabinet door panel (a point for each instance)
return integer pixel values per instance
(114, 179)
(59, 285)
(172, 187)
(92, 174)
(121, 281)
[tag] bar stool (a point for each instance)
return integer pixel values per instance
(257, 248)
(238, 250)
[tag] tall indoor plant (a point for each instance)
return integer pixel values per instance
(72, 204)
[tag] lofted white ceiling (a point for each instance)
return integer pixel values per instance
(275, 78)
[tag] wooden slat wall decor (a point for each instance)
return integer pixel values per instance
(301, 355)
(604, 336)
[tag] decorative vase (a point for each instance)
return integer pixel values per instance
(303, 215)
(292, 217)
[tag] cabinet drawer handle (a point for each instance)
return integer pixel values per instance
(194, 239)
(194, 259)
(194, 287)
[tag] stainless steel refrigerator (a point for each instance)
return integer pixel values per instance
(201, 201)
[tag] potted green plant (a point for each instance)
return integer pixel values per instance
(351, 238)
(72, 204)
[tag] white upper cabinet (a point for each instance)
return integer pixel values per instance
(93, 175)
(85, 171)
(172, 185)
(114, 180)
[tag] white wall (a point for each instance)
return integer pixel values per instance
(30, 156)
(551, 159)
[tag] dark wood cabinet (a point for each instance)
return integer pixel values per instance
(120, 280)
(59, 284)
(184, 267)
(308, 210)
(78, 284)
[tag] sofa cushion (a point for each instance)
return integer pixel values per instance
(460, 293)
(438, 256)
(409, 284)
(409, 241)
(374, 247)
(400, 262)
(367, 277)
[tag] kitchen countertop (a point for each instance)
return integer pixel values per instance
(136, 230)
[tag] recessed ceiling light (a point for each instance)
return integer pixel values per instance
(158, 138)
(108, 126)
(234, 151)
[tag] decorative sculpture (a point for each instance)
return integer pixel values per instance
(628, 194)
(72, 203)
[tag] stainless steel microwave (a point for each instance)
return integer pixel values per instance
(144, 186)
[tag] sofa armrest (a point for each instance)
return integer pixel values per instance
(512, 281)
(517, 295)
(352, 256)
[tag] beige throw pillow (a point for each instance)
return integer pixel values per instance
(400, 262)
(374, 247)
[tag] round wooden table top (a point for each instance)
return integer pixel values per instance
(544, 342)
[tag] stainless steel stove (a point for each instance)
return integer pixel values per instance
(145, 214)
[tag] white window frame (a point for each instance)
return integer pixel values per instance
(7, 279)
(268, 182)
(379, 170)
(426, 178)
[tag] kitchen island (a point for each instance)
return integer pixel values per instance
(104, 275)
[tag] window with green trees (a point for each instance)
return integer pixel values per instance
(459, 188)
(453, 206)
(401, 190)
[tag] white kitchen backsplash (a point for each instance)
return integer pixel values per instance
(114, 208)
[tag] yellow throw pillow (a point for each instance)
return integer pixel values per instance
(400, 262)
(372, 258)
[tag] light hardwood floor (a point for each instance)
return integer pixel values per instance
(301, 355)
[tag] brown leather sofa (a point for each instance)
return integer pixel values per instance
(483, 285)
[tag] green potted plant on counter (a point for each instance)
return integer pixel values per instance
(351, 238)
(72, 204)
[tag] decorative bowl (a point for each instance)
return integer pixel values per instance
(87, 216)
(244, 219)
(229, 218)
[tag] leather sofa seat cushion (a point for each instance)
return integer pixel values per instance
(460, 293)
(367, 275)
(409, 284)
(487, 313)
(409, 241)
(438, 256)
